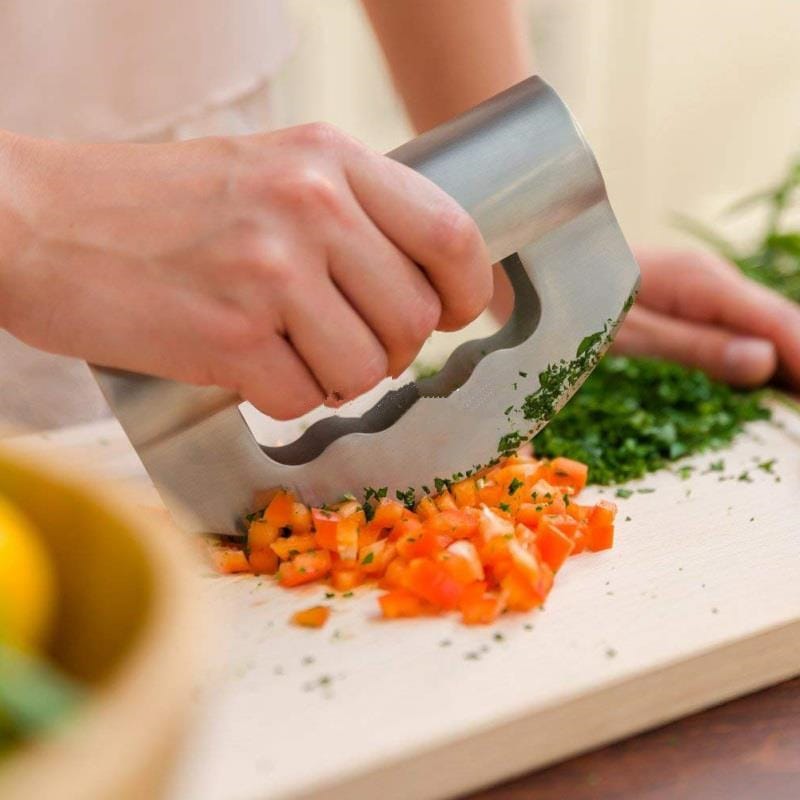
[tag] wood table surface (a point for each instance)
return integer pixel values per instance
(747, 749)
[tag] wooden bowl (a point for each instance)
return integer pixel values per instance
(128, 625)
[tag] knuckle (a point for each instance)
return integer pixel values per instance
(372, 370)
(262, 258)
(421, 318)
(310, 191)
(318, 134)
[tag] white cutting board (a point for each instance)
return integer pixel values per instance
(698, 601)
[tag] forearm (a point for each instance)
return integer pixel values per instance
(446, 56)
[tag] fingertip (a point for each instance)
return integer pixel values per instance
(749, 361)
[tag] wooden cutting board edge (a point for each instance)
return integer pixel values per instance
(610, 713)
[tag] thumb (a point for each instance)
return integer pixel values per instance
(724, 355)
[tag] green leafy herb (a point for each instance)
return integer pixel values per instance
(368, 558)
(510, 442)
(504, 507)
(624, 493)
(515, 484)
(407, 498)
(635, 415)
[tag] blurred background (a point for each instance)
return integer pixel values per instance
(686, 104)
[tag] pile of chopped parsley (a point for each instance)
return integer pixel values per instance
(635, 415)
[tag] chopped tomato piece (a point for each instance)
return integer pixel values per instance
(600, 537)
(426, 508)
(479, 606)
(603, 513)
(314, 617)
(261, 535)
(346, 575)
(263, 562)
(305, 568)
(462, 561)
(522, 593)
(444, 501)
(347, 530)
(457, 524)
(279, 511)
(325, 524)
(433, 583)
(290, 546)
(490, 494)
(421, 543)
(407, 526)
(401, 603)
(563, 522)
(492, 524)
(465, 493)
(566, 472)
(553, 545)
(395, 575)
(387, 515)
(228, 560)
(374, 558)
(300, 521)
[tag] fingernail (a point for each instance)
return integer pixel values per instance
(750, 361)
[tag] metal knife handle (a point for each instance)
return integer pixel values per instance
(488, 159)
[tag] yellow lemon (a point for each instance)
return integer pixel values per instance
(27, 581)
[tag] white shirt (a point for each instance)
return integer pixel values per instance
(124, 69)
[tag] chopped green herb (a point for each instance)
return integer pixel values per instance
(510, 442)
(523, 374)
(645, 490)
(368, 558)
(685, 472)
(347, 594)
(440, 484)
(407, 498)
(768, 466)
(624, 493)
(505, 507)
(635, 415)
(515, 484)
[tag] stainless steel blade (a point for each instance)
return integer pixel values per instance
(520, 166)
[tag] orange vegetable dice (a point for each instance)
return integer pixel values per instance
(444, 501)
(401, 603)
(325, 523)
(426, 508)
(228, 560)
(456, 524)
(566, 472)
(465, 493)
(305, 568)
(433, 583)
(600, 537)
(553, 544)
(280, 510)
(260, 535)
(314, 617)
(289, 546)
(300, 521)
(480, 607)
(263, 562)
(603, 513)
